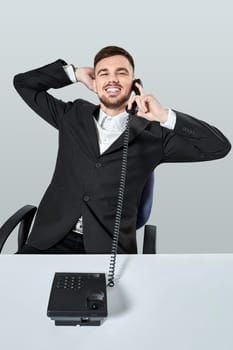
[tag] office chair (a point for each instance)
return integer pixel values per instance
(25, 215)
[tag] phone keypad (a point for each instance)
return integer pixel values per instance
(70, 282)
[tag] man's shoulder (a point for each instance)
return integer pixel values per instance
(84, 103)
(82, 107)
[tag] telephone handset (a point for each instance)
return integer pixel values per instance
(134, 108)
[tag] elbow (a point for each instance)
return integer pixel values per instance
(227, 148)
(17, 81)
(224, 150)
(221, 152)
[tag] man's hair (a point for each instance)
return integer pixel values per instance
(109, 51)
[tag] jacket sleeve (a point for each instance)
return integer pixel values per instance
(32, 86)
(193, 140)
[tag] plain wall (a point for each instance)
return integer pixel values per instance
(183, 53)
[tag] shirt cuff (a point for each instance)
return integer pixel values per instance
(171, 121)
(70, 71)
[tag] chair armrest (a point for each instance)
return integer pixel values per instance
(25, 216)
(149, 242)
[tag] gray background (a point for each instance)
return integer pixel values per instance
(183, 53)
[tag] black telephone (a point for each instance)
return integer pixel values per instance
(81, 298)
(78, 299)
(134, 108)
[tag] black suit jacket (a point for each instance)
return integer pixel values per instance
(86, 182)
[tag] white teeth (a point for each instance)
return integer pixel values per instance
(113, 89)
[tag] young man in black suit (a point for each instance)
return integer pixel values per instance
(77, 211)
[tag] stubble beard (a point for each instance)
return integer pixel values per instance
(115, 104)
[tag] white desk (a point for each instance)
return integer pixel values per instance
(182, 302)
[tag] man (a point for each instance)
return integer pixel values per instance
(77, 211)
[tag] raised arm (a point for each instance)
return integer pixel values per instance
(32, 86)
(193, 140)
(187, 139)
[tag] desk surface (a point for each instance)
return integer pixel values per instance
(159, 302)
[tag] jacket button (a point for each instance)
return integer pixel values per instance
(86, 198)
(98, 165)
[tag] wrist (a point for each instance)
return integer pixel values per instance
(76, 72)
(163, 115)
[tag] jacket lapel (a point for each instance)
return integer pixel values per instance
(136, 126)
(87, 133)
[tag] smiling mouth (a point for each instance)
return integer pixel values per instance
(113, 90)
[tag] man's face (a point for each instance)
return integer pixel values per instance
(113, 81)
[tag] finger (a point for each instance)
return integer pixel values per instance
(145, 103)
(130, 102)
(141, 104)
(90, 84)
(140, 88)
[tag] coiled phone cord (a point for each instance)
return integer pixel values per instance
(120, 199)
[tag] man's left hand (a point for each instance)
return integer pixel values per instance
(148, 106)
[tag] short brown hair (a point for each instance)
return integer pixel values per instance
(109, 51)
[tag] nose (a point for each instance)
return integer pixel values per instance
(113, 78)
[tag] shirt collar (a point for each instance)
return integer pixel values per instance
(117, 122)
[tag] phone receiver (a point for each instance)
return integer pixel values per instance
(134, 108)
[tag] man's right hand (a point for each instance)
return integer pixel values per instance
(86, 76)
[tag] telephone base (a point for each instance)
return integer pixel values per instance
(78, 299)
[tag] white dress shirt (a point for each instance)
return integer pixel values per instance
(110, 128)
